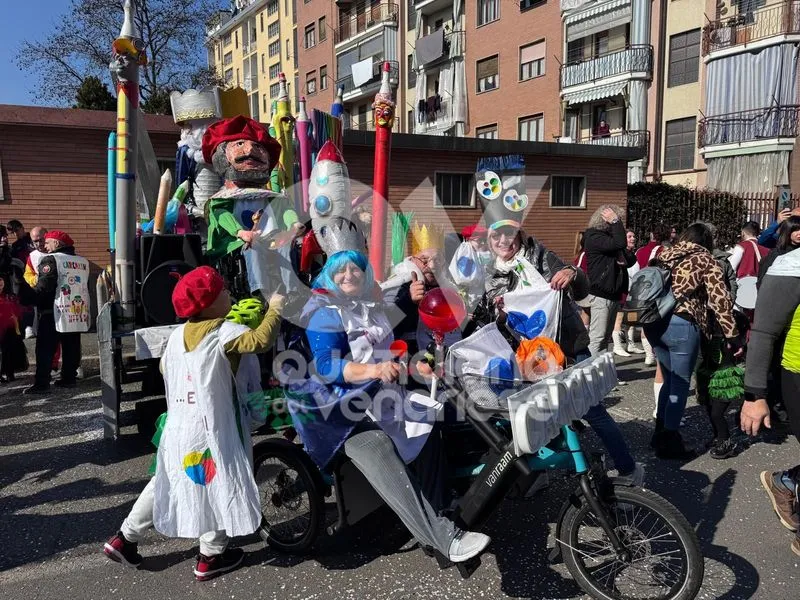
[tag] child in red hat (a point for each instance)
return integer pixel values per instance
(203, 486)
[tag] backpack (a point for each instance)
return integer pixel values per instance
(650, 298)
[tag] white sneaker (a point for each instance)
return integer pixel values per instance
(635, 477)
(29, 332)
(54, 373)
(79, 373)
(619, 345)
(466, 545)
(634, 349)
(649, 360)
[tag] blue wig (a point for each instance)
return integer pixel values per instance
(339, 261)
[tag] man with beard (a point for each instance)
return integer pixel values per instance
(243, 153)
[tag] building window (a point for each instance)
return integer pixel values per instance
(272, 8)
(452, 190)
(274, 90)
(679, 148)
(531, 60)
(684, 58)
(487, 74)
(261, 22)
(528, 4)
(236, 39)
(488, 11)
(228, 75)
(311, 83)
(274, 29)
(310, 36)
(227, 59)
(289, 49)
(226, 39)
(531, 129)
(274, 70)
(567, 192)
(237, 77)
(274, 49)
(412, 74)
(263, 63)
(323, 77)
(323, 29)
(487, 132)
(410, 121)
(264, 102)
(412, 14)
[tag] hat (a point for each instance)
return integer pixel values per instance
(239, 128)
(500, 184)
(426, 238)
(472, 231)
(196, 291)
(61, 236)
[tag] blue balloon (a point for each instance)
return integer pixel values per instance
(466, 266)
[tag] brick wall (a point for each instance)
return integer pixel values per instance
(311, 59)
(56, 177)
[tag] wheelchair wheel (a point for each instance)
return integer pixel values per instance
(664, 561)
(292, 496)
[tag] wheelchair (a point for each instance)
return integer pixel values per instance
(617, 541)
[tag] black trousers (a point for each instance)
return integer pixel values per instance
(47, 340)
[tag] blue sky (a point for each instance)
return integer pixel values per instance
(21, 21)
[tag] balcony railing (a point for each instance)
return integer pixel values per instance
(749, 126)
(745, 28)
(624, 139)
(368, 124)
(394, 73)
(361, 20)
(633, 59)
(217, 21)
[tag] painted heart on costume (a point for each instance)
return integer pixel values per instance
(514, 201)
(490, 186)
(466, 266)
(526, 326)
(200, 467)
(501, 374)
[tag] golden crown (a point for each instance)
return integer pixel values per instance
(426, 238)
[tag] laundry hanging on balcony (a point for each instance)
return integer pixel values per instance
(430, 47)
(362, 72)
(597, 92)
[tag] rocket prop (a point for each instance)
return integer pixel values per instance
(384, 120)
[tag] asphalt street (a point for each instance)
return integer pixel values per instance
(64, 491)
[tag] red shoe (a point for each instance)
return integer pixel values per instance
(209, 567)
(122, 551)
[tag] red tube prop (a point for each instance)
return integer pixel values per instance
(301, 131)
(384, 120)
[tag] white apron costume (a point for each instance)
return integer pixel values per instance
(204, 474)
(406, 417)
(71, 304)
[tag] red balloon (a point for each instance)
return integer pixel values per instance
(442, 310)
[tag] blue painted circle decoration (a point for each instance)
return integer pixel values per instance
(323, 205)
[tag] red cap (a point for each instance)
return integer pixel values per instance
(61, 236)
(239, 128)
(472, 231)
(196, 291)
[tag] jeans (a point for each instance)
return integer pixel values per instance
(373, 453)
(602, 314)
(608, 431)
(676, 346)
(47, 341)
(140, 519)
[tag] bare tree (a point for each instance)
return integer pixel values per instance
(79, 46)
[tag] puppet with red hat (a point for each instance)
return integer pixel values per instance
(243, 153)
(203, 485)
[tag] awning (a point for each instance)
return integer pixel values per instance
(600, 17)
(596, 92)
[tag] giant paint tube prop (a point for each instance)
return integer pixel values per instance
(337, 108)
(304, 144)
(163, 200)
(384, 120)
(112, 189)
(283, 122)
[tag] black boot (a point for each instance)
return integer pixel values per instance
(670, 447)
(654, 441)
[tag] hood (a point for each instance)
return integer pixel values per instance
(680, 251)
(786, 265)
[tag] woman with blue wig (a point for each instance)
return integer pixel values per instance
(357, 406)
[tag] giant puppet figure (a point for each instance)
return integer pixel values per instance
(243, 214)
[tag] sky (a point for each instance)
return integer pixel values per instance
(22, 21)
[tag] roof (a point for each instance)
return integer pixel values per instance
(487, 147)
(77, 118)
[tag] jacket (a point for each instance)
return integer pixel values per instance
(43, 294)
(728, 272)
(607, 261)
(574, 337)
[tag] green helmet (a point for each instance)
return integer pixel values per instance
(249, 311)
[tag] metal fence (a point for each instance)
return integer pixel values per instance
(752, 26)
(361, 18)
(633, 59)
(749, 125)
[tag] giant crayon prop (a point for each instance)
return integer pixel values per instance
(304, 145)
(384, 120)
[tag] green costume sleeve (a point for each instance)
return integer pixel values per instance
(222, 228)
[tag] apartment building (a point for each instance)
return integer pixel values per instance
(252, 43)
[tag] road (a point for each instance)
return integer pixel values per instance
(64, 491)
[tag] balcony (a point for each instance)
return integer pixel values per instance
(429, 7)
(453, 44)
(436, 122)
(217, 21)
(754, 128)
(572, 4)
(629, 61)
(620, 139)
(351, 92)
(368, 124)
(362, 19)
(743, 30)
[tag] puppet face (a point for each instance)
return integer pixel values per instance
(384, 114)
(243, 162)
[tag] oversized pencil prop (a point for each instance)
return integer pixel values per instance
(337, 108)
(384, 120)
(128, 55)
(283, 122)
(304, 144)
(163, 199)
(111, 192)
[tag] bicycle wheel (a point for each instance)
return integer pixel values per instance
(291, 491)
(665, 561)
